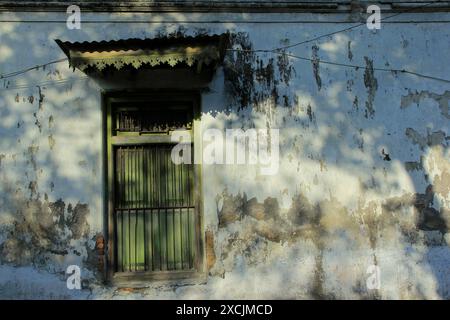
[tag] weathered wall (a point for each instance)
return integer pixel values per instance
(364, 174)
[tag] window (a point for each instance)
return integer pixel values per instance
(153, 207)
(153, 204)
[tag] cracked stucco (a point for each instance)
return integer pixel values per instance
(336, 206)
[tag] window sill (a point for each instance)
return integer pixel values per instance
(146, 279)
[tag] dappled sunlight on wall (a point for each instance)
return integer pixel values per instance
(363, 174)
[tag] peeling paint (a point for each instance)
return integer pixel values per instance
(315, 65)
(43, 229)
(349, 51)
(416, 97)
(431, 138)
(371, 84)
(350, 192)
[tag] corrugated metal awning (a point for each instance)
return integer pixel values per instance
(169, 51)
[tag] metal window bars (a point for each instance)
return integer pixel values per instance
(154, 210)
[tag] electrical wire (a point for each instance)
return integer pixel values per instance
(334, 32)
(46, 83)
(16, 73)
(280, 51)
(363, 67)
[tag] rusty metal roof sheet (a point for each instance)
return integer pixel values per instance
(152, 52)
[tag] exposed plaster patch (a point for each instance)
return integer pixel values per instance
(442, 183)
(416, 97)
(43, 231)
(431, 139)
(437, 165)
(252, 230)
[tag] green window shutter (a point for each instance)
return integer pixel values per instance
(154, 210)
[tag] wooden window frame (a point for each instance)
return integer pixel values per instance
(109, 98)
